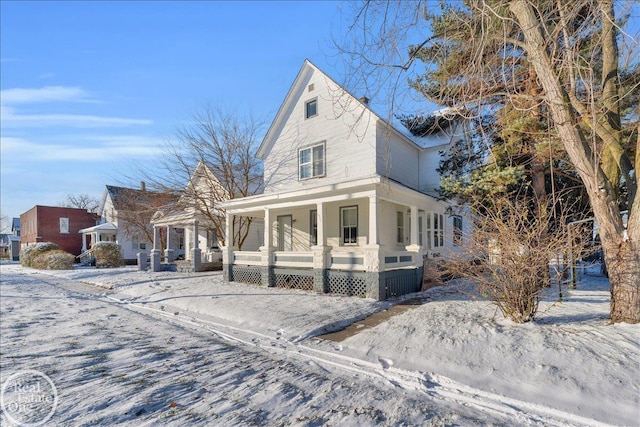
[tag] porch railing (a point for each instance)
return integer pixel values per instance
(397, 259)
(353, 261)
(348, 261)
(293, 259)
(247, 258)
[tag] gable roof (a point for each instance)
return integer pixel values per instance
(307, 69)
(15, 224)
(122, 198)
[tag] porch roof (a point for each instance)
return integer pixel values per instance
(177, 218)
(107, 226)
(378, 186)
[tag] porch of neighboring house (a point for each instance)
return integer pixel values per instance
(105, 232)
(191, 245)
(365, 238)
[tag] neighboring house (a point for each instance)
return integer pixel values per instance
(15, 227)
(14, 240)
(55, 224)
(349, 201)
(125, 215)
(196, 213)
(4, 246)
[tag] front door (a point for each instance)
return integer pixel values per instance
(285, 235)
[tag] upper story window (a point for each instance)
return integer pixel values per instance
(311, 161)
(64, 225)
(311, 108)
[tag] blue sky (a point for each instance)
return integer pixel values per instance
(90, 88)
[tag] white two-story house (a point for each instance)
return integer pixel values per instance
(349, 204)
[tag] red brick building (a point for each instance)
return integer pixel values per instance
(56, 224)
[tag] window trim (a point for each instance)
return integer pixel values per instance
(342, 226)
(312, 162)
(307, 103)
(66, 222)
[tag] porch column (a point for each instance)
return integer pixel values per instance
(84, 242)
(168, 253)
(267, 251)
(196, 253)
(374, 255)
(414, 225)
(228, 249)
(373, 220)
(268, 229)
(155, 252)
(320, 252)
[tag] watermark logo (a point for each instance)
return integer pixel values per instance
(28, 398)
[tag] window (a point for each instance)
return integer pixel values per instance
(313, 227)
(311, 162)
(438, 230)
(457, 230)
(399, 227)
(349, 225)
(311, 108)
(64, 225)
(137, 244)
(420, 233)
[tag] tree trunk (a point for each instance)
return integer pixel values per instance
(621, 247)
(623, 264)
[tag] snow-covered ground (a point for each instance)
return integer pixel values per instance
(190, 349)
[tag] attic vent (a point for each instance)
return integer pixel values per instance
(311, 87)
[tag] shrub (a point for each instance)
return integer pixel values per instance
(508, 256)
(55, 260)
(107, 254)
(46, 256)
(29, 253)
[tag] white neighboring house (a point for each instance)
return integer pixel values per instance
(116, 221)
(193, 213)
(349, 201)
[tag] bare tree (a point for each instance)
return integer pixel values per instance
(5, 224)
(571, 60)
(509, 252)
(136, 207)
(212, 159)
(81, 201)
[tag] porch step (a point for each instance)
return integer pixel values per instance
(184, 267)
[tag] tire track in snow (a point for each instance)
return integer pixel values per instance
(430, 384)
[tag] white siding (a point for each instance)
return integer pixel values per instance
(429, 176)
(348, 132)
(397, 158)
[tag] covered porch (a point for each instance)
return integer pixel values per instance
(366, 238)
(105, 232)
(187, 238)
